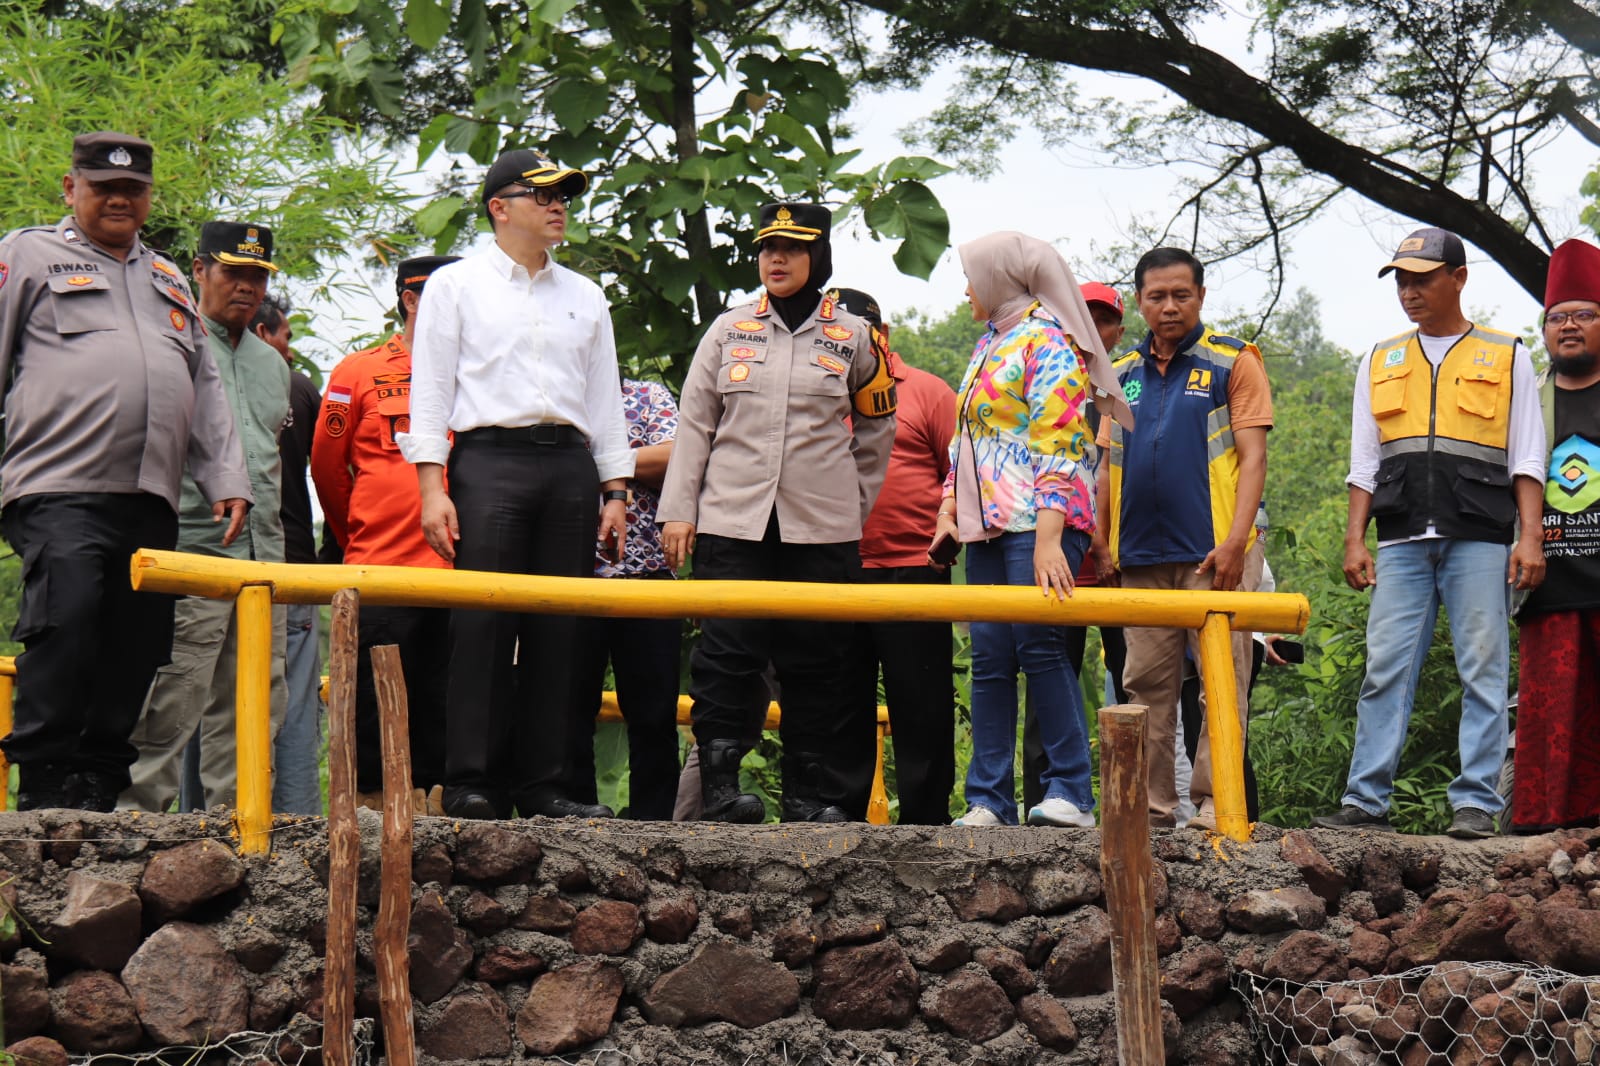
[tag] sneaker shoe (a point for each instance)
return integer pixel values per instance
(1352, 817)
(1054, 810)
(1205, 817)
(978, 818)
(1470, 823)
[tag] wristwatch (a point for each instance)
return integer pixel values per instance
(615, 494)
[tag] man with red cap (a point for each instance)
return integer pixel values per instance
(1558, 704)
(1446, 456)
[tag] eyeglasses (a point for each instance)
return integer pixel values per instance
(542, 197)
(1585, 317)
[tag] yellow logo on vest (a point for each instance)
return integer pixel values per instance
(1199, 383)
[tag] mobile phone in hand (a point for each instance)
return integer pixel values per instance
(1290, 651)
(944, 550)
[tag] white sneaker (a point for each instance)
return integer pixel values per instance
(978, 818)
(1056, 811)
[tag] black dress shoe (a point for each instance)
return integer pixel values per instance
(470, 805)
(561, 807)
(91, 790)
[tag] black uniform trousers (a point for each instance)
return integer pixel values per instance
(423, 636)
(726, 668)
(1034, 762)
(91, 643)
(644, 657)
(919, 691)
(523, 508)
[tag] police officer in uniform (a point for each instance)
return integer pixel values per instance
(111, 391)
(769, 480)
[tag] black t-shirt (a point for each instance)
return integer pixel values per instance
(294, 447)
(1572, 507)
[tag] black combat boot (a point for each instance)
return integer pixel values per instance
(802, 791)
(41, 786)
(719, 786)
(92, 790)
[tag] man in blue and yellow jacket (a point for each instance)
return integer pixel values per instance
(1177, 497)
(1447, 453)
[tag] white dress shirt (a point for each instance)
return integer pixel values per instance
(1525, 443)
(496, 346)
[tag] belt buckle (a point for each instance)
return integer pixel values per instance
(546, 434)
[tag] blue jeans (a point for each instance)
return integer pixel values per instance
(295, 788)
(999, 650)
(1414, 578)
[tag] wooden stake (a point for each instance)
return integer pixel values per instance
(1125, 868)
(344, 837)
(394, 902)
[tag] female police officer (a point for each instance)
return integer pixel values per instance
(769, 482)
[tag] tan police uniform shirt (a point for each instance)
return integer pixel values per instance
(764, 422)
(110, 384)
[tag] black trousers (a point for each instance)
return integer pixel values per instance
(644, 657)
(919, 690)
(523, 508)
(1034, 762)
(423, 636)
(728, 662)
(91, 643)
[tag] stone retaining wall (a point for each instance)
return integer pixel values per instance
(618, 943)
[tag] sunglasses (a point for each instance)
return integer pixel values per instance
(542, 197)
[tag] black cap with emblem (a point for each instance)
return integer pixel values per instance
(859, 303)
(798, 222)
(237, 244)
(106, 156)
(530, 167)
(1426, 250)
(414, 273)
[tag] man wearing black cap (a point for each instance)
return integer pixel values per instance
(515, 355)
(110, 391)
(1447, 454)
(372, 509)
(916, 656)
(196, 691)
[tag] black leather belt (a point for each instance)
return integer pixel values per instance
(549, 433)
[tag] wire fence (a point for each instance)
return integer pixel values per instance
(297, 1044)
(1449, 1014)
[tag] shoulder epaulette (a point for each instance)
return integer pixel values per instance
(1231, 342)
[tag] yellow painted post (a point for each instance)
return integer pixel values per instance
(1222, 726)
(253, 736)
(8, 675)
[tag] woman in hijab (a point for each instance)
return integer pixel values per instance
(1020, 495)
(782, 445)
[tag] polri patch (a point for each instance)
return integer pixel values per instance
(838, 333)
(80, 279)
(750, 325)
(180, 321)
(831, 365)
(738, 371)
(743, 353)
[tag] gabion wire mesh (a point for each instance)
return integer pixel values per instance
(297, 1044)
(1449, 1014)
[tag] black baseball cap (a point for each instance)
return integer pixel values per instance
(858, 303)
(1427, 249)
(414, 273)
(237, 244)
(798, 222)
(106, 156)
(531, 167)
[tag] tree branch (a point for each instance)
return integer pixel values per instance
(1217, 86)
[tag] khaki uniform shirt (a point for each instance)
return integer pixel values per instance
(256, 381)
(109, 383)
(764, 422)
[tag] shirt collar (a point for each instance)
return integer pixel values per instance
(510, 269)
(1189, 340)
(73, 234)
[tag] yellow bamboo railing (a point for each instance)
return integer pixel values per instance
(1213, 613)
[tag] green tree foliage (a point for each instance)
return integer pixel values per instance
(687, 115)
(228, 143)
(1436, 112)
